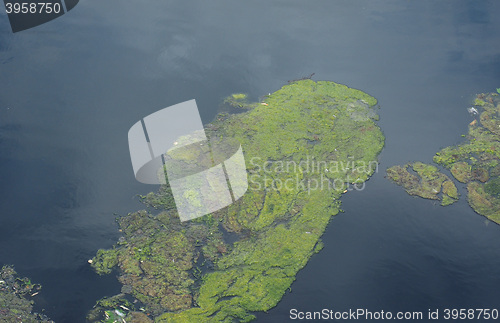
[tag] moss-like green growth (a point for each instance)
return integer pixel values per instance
(239, 101)
(306, 146)
(239, 96)
(15, 298)
(116, 309)
(477, 160)
(461, 171)
(447, 200)
(138, 317)
(482, 202)
(493, 187)
(426, 183)
(450, 189)
(479, 102)
(154, 258)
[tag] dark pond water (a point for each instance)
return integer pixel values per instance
(70, 90)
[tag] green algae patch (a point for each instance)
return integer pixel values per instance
(154, 257)
(425, 181)
(239, 101)
(117, 309)
(16, 293)
(461, 171)
(476, 162)
(483, 202)
(493, 187)
(305, 145)
(450, 189)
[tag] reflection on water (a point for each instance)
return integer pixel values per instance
(71, 89)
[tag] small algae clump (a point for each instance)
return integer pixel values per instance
(425, 181)
(476, 162)
(306, 146)
(15, 302)
(239, 101)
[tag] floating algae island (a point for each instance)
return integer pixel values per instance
(425, 181)
(304, 145)
(476, 163)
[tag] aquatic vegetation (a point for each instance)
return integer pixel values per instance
(476, 161)
(450, 189)
(303, 148)
(426, 181)
(479, 102)
(239, 101)
(493, 187)
(116, 309)
(482, 202)
(16, 304)
(461, 171)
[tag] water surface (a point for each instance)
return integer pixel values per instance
(71, 89)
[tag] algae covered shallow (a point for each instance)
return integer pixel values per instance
(304, 145)
(475, 162)
(16, 303)
(424, 180)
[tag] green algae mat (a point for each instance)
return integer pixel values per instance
(475, 163)
(304, 145)
(425, 181)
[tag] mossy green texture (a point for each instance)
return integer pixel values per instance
(154, 258)
(476, 162)
(425, 181)
(482, 202)
(116, 309)
(239, 101)
(303, 145)
(16, 304)
(461, 171)
(493, 187)
(450, 189)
